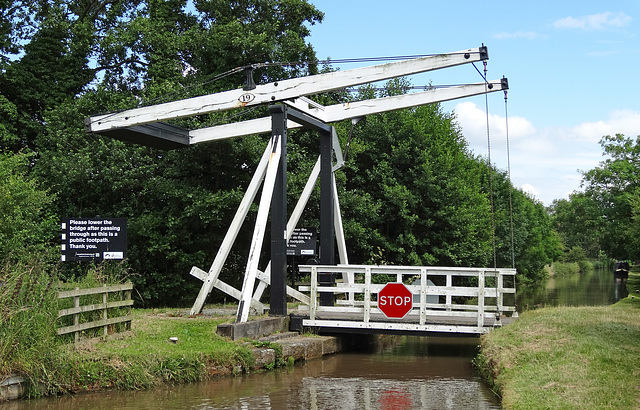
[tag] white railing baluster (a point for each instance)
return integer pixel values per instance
(481, 299)
(449, 285)
(423, 296)
(367, 294)
(314, 293)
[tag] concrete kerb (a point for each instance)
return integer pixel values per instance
(12, 387)
(254, 329)
(276, 330)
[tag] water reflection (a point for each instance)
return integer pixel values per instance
(401, 373)
(598, 288)
(621, 290)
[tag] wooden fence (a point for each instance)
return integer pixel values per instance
(122, 294)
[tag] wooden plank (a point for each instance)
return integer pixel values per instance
(259, 228)
(413, 319)
(94, 307)
(104, 307)
(339, 112)
(211, 277)
(95, 324)
(158, 135)
(226, 288)
(408, 270)
(414, 327)
(95, 291)
(279, 91)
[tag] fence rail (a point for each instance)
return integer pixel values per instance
(122, 292)
(464, 300)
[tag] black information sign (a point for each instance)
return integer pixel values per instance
(302, 242)
(94, 239)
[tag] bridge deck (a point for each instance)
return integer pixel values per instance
(343, 322)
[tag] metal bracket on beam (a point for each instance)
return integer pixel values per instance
(307, 121)
(484, 53)
(249, 84)
(157, 135)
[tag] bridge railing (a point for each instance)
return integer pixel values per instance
(460, 295)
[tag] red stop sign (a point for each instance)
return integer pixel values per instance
(395, 300)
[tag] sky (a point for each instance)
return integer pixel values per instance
(573, 69)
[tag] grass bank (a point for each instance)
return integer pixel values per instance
(138, 358)
(568, 357)
(144, 356)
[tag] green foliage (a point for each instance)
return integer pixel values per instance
(28, 311)
(633, 227)
(575, 254)
(27, 222)
(605, 216)
(561, 269)
(535, 243)
(397, 206)
(578, 222)
(603, 261)
(585, 266)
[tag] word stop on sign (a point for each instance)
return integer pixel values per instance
(395, 300)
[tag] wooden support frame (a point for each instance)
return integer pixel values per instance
(146, 126)
(282, 90)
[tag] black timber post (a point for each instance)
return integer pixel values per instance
(327, 234)
(279, 116)
(278, 289)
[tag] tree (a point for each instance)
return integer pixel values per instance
(579, 222)
(178, 203)
(604, 217)
(523, 220)
(27, 223)
(634, 226)
(612, 186)
(411, 193)
(49, 61)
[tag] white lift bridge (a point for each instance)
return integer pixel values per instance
(354, 302)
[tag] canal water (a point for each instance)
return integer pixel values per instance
(398, 373)
(597, 288)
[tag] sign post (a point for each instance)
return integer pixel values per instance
(395, 300)
(94, 239)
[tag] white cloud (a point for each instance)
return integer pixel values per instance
(529, 189)
(625, 122)
(594, 21)
(544, 162)
(473, 121)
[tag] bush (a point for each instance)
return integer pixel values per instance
(575, 254)
(603, 261)
(585, 266)
(565, 268)
(26, 222)
(27, 316)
